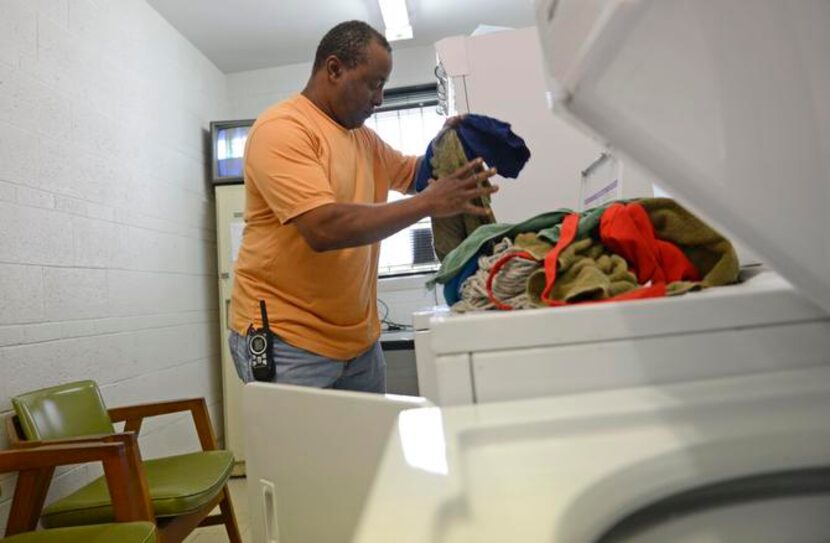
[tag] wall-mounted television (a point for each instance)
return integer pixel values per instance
(227, 144)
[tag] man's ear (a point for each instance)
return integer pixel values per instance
(334, 68)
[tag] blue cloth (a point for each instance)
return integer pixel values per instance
(484, 137)
(452, 288)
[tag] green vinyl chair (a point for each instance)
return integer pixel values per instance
(183, 489)
(121, 472)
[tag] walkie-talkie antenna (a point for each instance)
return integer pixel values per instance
(264, 315)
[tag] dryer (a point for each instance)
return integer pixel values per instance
(738, 459)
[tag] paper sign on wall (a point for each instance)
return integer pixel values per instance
(237, 227)
(601, 182)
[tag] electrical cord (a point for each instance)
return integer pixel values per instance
(390, 325)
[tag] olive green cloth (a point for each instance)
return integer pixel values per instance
(448, 232)
(586, 271)
(531, 242)
(711, 253)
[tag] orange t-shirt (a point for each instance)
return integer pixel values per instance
(296, 159)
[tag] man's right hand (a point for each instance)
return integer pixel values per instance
(453, 194)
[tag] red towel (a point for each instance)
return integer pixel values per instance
(627, 231)
(566, 237)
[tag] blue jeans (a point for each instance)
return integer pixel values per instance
(295, 366)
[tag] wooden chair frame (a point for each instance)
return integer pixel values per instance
(122, 469)
(170, 530)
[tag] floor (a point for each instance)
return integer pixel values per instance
(217, 534)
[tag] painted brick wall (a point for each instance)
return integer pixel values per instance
(251, 92)
(107, 243)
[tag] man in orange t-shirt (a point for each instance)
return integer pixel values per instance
(316, 187)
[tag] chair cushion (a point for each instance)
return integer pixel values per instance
(178, 485)
(126, 532)
(70, 410)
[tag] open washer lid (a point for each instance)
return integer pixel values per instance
(725, 103)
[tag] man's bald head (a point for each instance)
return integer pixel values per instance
(349, 42)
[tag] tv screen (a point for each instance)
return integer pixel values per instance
(228, 149)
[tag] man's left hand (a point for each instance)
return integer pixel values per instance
(451, 122)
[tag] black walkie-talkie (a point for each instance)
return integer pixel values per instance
(259, 348)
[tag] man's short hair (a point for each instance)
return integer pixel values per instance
(348, 41)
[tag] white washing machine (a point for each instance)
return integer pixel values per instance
(761, 325)
(738, 460)
(725, 104)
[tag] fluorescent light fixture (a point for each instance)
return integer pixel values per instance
(396, 34)
(395, 19)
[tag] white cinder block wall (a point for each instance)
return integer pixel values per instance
(107, 244)
(251, 92)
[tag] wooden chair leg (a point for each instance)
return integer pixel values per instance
(229, 517)
(29, 497)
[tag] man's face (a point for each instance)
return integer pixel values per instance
(359, 90)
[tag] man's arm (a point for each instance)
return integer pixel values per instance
(337, 226)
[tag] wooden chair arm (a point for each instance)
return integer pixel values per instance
(92, 438)
(134, 414)
(53, 455)
(17, 441)
(123, 470)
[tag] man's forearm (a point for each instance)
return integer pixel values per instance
(338, 226)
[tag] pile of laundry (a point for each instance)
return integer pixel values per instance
(644, 248)
(620, 251)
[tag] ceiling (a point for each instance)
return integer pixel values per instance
(242, 35)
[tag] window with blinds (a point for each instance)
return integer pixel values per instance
(407, 121)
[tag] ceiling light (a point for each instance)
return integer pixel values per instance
(396, 19)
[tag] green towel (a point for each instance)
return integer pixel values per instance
(454, 262)
(588, 225)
